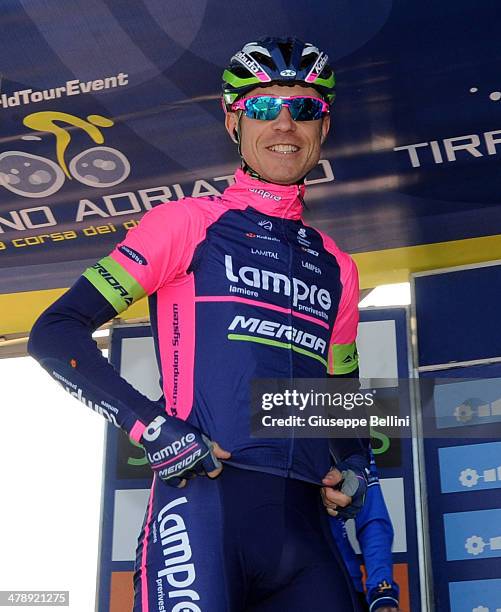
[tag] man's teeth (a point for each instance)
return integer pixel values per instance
(282, 148)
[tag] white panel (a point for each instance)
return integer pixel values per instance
(128, 516)
(393, 493)
(377, 347)
(139, 367)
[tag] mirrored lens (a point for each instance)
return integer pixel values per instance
(264, 108)
(267, 108)
(305, 109)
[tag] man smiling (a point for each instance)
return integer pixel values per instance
(282, 151)
(239, 289)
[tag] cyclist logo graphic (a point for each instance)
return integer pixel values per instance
(33, 176)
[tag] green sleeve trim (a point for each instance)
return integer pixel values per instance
(344, 358)
(114, 283)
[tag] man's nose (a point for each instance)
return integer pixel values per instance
(284, 121)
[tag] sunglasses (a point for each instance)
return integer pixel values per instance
(267, 108)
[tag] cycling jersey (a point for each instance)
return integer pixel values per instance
(239, 288)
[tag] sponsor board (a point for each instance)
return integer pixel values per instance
(473, 534)
(475, 596)
(472, 467)
(468, 403)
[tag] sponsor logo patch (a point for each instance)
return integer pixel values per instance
(266, 224)
(310, 251)
(268, 280)
(134, 255)
(301, 237)
(271, 254)
(261, 237)
(113, 282)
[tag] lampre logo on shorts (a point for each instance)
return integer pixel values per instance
(179, 571)
(278, 283)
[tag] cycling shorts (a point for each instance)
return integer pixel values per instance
(246, 542)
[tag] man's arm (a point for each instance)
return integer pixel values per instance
(61, 339)
(350, 455)
(375, 536)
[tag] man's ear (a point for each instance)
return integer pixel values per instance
(230, 123)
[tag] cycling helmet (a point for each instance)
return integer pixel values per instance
(273, 60)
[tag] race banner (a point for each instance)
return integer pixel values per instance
(111, 108)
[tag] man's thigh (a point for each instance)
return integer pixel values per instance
(321, 588)
(182, 561)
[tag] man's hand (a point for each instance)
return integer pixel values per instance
(333, 498)
(347, 499)
(177, 451)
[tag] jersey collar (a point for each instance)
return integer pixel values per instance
(268, 198)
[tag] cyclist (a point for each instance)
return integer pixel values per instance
(239, 288)
(375, 536)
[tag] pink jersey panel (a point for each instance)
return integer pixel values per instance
(157, 255)
(345, 327)
(160, 249)
(282, 201)
(176, 341)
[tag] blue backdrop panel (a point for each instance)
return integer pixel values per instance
(394, 456)
(458, 315)
(478, 595)
(455, 322)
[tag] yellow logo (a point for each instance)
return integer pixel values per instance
(34, 176)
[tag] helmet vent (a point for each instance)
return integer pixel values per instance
(241, 71)
(264, 60)
(307, 60)
(286, 50)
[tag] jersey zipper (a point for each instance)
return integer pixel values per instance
(290, 459)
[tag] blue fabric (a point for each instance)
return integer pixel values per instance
(375, 536)
(61, 340)
(223, 367)
(245, 542)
